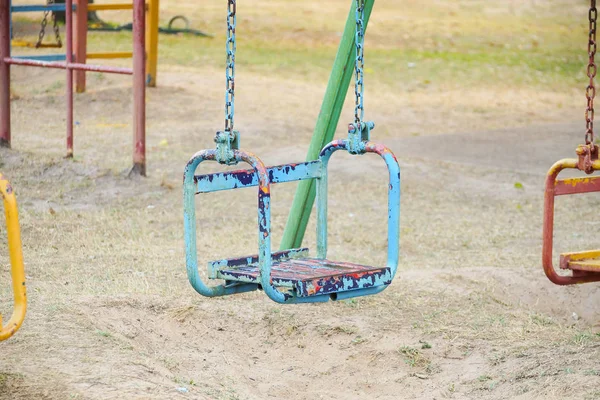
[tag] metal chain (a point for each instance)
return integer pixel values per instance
(590, 91)
(55, 26)
(230, 67)
(359, 89)
(43, 27)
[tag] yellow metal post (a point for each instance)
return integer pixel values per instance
(16, 261)
(152, 42)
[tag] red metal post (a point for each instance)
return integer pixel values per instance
(69, 29)
(4, 73)
(81, 31)
(139, 88)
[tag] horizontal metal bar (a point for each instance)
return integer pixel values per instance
(577, 185)
(106, 7)
(38, 7)
(247, 178)
(73, 66)
(45, 57)
(110, 55)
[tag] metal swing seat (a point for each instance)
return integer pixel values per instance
(288, 276)
(584, 265)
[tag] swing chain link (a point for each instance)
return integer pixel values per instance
(359, 132)
(228, 140)
(44, 23)
(230, 66)
(590, 91)
(359, 89)
(55, 26)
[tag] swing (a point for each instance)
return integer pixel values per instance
(288, 276)
(584, 265)
(16, 261)
(42, 33)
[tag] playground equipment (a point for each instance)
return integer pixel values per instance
(138, 72)
(39, 43)
(290, 276)
(82, 10)
(16, 261)
(585, 265)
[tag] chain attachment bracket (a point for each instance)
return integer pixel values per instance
(587, 154)
(358, 135)
(227, 142)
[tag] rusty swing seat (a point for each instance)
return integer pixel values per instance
(584, 265)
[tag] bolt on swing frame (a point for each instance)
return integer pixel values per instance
(334, 287)
(16, 260)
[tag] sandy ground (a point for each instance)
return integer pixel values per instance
(470, 315)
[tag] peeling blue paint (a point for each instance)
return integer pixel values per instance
(288, 276)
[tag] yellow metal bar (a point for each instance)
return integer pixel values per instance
(110, 55)
(22, 43)
(151, 41)
(106, 7)
(16, 261)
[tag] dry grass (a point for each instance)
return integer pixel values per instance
(470, 316)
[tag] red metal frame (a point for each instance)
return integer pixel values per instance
(138, 71)
(555, 188)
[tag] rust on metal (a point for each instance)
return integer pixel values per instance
(554, 188)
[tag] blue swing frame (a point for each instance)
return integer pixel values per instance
(347, 286)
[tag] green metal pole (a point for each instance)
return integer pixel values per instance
(341, 74)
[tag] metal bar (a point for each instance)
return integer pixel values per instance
(4, 73)
(110, 55)
(152, 41)
(577, 185)
(247, 178)
(44, 57)
(81, 32)
(38, 7)
(69, 86)
(393, 236)
(327, 121)
(16, 254)
(73, 66)
(139, 89)
(107, 7)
